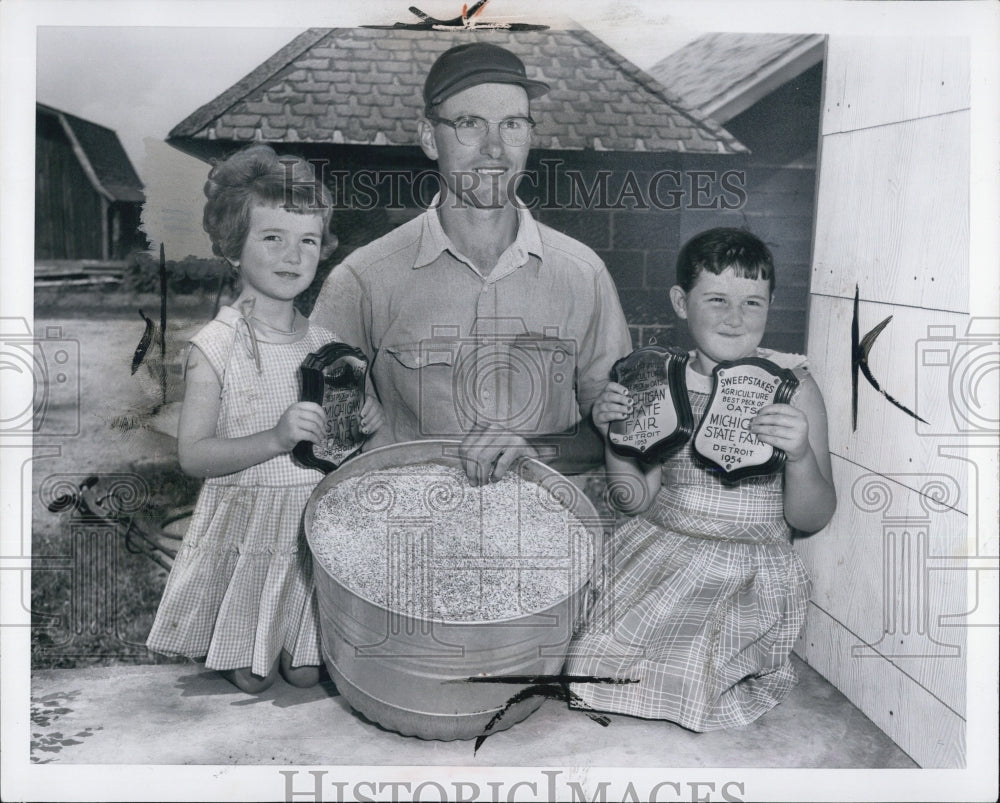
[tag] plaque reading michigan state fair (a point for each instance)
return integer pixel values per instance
(741, 388)
(334, 377)
(661, 417)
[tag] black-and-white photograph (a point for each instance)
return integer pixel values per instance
(491, 401)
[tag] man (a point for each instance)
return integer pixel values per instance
(482, 325)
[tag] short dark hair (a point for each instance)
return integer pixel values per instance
(719, 249)
(257, 176)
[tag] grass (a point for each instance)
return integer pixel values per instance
(92, 599)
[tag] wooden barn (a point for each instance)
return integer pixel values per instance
(618, 161)
(87, 194)
(766, 90)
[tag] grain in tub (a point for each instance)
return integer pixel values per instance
(424, 580)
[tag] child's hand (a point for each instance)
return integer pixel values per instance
(613, 404)
(302, 421)
(372, 416)
(784, 427)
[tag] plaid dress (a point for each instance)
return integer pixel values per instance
(241, 587)
(701, 599)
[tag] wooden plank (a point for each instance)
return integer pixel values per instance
(891, 570)
(932, 733)
(51, 267)
(888, 567)
(84, 281)
(892, 214)
(873, 81)
(887, 440)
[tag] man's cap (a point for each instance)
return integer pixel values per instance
(473, 64)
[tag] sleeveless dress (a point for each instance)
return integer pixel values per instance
(241, 587)
(701, 599)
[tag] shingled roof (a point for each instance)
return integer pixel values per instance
(363, 86)
(723, 74)
(101, 156)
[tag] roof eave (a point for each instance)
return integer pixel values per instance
(725, 141)
(205, 149)
(758, 85)
(83, 159)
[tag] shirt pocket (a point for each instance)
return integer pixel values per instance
(524, 383)
(415, 356)
(422, 383)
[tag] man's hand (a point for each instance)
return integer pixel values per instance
(486, 453)
(372, 416)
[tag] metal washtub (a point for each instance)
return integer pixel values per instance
(407, 673)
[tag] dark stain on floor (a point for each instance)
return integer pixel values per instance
(45, 736)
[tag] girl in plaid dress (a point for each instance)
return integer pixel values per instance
(240, 593)
(702, 595)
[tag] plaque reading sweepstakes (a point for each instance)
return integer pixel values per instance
(661, 416)
(741, 388)
(334, 378)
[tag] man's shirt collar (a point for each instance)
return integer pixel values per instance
(434, 241)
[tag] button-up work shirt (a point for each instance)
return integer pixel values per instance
(527, 348)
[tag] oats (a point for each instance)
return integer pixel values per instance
(420, 540)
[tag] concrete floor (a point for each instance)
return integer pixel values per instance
(183, 714)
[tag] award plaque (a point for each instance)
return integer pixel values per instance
(661, 417)
(740, 389)
(334, 377)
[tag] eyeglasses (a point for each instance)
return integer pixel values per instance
(471, 130)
